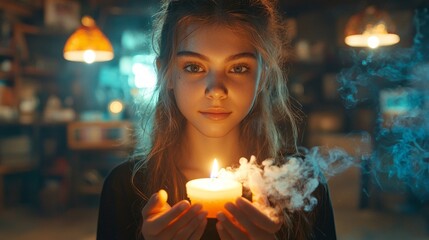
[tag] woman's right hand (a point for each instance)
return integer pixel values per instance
(182, 221)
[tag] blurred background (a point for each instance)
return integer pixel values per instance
(359, 69)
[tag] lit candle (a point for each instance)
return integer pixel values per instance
(213, 192)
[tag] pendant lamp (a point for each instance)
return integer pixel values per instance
(88, 44)
(371, 28)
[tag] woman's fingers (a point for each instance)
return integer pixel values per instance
(192, 229)
(257, 217)
(180, 220)
(166, 218)
(198, 233)
(231, 229)
(157, 214)
(173, 220)
(156, 204)
(243, 220)
(186, 218)
(223, 234)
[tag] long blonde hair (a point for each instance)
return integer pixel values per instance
(268, 131)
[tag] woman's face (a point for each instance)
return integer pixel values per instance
(216, 73)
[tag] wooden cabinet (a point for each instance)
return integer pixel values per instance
(27, 152)
(11, 14)
(71, 159)
(31, 61)
(23, 76)
(15, 157)
(40, 70)
(7, 78)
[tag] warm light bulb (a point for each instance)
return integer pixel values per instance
(373, 42)
(371, 28)
(89, 56)
(215, 169)
(116, 106)
(88, 44)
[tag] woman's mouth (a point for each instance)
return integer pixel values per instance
(215, 114)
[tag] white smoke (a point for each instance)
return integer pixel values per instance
(289, 186)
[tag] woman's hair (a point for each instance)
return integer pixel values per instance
(268, 131)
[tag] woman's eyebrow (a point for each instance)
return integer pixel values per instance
(242, 55)
(205, 58)
(191, 54)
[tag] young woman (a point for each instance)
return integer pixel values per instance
(221, 94)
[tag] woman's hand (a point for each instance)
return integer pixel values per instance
(182, 221)
(244, 221)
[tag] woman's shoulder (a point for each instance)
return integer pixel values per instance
(122, 181)
(125, 167)
(121, 171)
(121, 175)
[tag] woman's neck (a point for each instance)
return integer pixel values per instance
(198, 153)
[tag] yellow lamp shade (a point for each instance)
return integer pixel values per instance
(88, 44)
(371, 28)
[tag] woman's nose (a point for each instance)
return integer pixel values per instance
(216, 88)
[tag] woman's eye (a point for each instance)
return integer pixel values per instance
(239, 69)
(194, 68)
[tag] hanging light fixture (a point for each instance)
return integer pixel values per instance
(88, 44)
(371, 28)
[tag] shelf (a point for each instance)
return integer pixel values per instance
(35, 72)
(34, 123)
(21, 9)
(90, 189)
(42, 30)
(6, 75)
(99, 135)
(6, 52)
(5, 169)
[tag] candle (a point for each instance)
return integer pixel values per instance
(213, 192)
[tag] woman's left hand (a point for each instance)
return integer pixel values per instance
(244, 221)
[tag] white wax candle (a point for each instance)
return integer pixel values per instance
(213, 193)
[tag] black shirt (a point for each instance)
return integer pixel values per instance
(120, 209)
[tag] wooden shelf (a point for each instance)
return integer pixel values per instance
(35, 72)
(90, 189)
(6, 75)
(5, 169)
(42, 30)
(34, 123)
(99, 135)
(25, 10)
(6, 52)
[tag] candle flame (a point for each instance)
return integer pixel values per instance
(215, 169)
